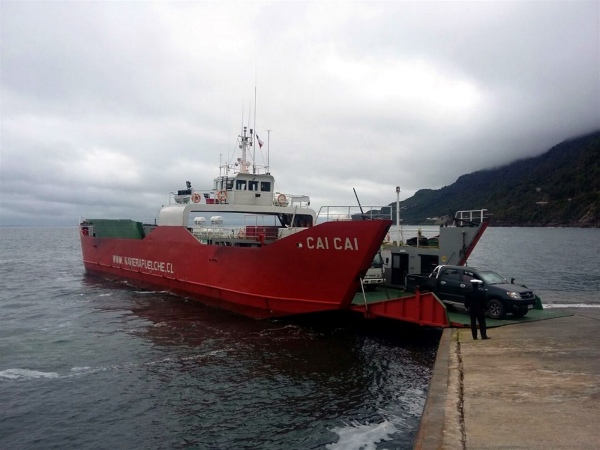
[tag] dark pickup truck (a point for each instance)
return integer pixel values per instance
(451, 284)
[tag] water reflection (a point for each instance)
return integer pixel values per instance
(221, 378)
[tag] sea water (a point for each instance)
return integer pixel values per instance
(86, 363)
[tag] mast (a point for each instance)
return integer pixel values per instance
(254, 150)
(399, 227)
(245, 142)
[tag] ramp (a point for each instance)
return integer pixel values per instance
(424, 309)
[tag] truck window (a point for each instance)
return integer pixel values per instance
(377, 262)
(493, 277)
(468, 276)
(451, 274)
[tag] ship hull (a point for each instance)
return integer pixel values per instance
(317, 269)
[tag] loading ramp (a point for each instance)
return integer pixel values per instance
(424, 309)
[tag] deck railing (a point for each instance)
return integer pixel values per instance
(335, 213)
(475, 216)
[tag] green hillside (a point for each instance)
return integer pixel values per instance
(559, 188)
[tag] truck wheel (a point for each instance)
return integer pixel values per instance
(495, 309)
(519, 312)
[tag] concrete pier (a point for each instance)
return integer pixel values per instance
(533, 385)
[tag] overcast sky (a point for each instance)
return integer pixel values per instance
(108, 106)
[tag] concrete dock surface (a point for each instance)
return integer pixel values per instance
(534, 385)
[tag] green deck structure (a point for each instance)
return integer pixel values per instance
(120, 228)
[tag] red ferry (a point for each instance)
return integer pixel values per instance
(241, 245)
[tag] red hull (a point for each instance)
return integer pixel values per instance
(317, 269)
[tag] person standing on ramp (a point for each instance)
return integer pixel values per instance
(476, 304)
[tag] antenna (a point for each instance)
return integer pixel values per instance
(242, 115)
(268, 150)
(359, 205)
(253, 139)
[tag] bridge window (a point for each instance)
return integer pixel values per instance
(240, 185)
(253, 185)
(265, 186)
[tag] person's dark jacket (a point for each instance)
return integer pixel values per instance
(476, 298)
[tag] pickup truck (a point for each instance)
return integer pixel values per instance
(375, 274)
(452, 283)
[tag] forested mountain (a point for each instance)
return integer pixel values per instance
(559, 188)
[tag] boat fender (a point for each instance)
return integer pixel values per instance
(281, 199)
(222, 196)
(196, 197)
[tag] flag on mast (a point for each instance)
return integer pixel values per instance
(260, 143)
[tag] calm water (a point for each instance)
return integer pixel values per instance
(89, 364)
(562, 265)
(86, 363)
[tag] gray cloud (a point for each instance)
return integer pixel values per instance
(108, 106)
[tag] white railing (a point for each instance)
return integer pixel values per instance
(196, 196)
(258, 233)
(335, 213)
(215, 197)
(471, 216)
(293, 200)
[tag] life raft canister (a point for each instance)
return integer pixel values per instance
(281, 199)
(196, 197)
(222, 196)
